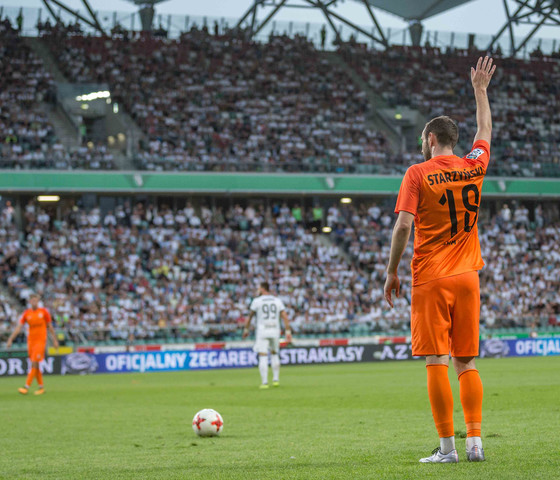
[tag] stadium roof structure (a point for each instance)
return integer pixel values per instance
(413, 11)
(418, 10)
(92, 21)
(536, 13)
(526, 12)
(146, 13)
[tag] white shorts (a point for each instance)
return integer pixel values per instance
(264, 345)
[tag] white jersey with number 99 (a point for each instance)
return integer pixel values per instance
(267, 310)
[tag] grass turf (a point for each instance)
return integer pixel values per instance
(335, 421)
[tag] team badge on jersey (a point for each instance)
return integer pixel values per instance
(477, 152)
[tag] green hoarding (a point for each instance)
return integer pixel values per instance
(178, 182)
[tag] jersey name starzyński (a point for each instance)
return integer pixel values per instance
(444, 195)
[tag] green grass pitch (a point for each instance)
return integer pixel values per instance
(335, 421)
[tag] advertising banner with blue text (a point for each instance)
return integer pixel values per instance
(520, 347)
(16, 363)
(166, 361)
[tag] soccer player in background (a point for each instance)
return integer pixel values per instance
(442, 196)
(39, 322)
(268, 311)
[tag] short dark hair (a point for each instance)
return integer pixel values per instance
(265, 286)
(445, 130)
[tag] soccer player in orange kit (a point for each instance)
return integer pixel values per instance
(39, 322)
(442, 196)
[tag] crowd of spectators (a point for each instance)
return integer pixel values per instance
(27, 92)
(144, 269)
(159, 273)
(55, 156)
(10, 239)
(25, 131)
(520, 284)
(222, 102)
(524, 96)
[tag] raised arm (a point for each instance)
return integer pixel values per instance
(480, 78)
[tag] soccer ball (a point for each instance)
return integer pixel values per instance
(208, 423)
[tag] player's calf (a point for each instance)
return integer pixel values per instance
(263, 369)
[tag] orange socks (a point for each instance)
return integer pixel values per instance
(441, 399)
(34, 373)
(471, 398)
(39, 376)
(30, 377)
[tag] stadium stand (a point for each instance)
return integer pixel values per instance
(525, 99)
(179, 270)
(519, 285)
(153, 273)
(29, 140)
(221, 90)
(224, 103)
(27, 135)
(11, 244)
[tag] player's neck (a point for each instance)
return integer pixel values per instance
(441, 151)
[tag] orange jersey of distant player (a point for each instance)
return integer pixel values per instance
(37, 320)
(443, 194)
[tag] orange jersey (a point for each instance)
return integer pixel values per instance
(443, 194)
(37, 320)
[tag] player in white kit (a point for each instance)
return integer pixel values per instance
(268, 310)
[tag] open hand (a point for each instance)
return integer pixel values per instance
(481, 76)
(392, 283)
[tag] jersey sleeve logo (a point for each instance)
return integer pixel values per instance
(477, 152)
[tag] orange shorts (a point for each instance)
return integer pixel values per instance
(445, 316)
(36, 351)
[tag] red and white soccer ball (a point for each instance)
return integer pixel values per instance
(208, 423)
